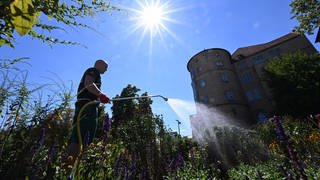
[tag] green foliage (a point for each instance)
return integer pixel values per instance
(196, 166)
(295, 83)
(270, 170)
(233, 145)
(302, 132)
(34, 142)
(265, 171)
(23, 16)
(6, 64)
(189, 172)
(99, 159)
(32, 134)
(144, 135)
(312, 171)
(307, 12)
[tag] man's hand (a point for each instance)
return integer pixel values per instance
(103, 98)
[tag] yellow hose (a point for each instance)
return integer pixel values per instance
(79, 136)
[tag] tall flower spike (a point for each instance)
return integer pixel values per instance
(285, 140)
(106, 125)
(279, 129)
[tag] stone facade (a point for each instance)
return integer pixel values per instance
(233, 84)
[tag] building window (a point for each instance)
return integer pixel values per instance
(219, 63)
(253, 94)
(262, 116)
(202, 83)
(246, 77)
(224, 77)
(199, 69)
(229, 95)
(258, 60)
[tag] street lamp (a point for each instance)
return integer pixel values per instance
(179, 122)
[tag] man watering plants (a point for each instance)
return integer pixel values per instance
(88, 95)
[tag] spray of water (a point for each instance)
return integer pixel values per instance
(182, 108)
(203, 119)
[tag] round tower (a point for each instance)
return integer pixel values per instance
(216, 85)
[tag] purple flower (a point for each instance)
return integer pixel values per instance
(285, 139)
(117, 166)
(106, 126)
(133, 163)
(180, 160)
(279, 129)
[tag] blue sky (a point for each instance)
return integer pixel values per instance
(160, 69)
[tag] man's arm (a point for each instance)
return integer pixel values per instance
(91, 86)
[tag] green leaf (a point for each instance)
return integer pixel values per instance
(23, 15)
(2, 41)
(5, 42)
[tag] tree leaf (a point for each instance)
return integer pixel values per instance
(23, 15)
(2, 41)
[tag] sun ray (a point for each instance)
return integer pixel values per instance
(151, 18)
(175, 37)
(150, 15)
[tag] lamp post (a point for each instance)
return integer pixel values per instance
(179, 122)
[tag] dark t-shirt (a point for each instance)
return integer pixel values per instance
(83, 93)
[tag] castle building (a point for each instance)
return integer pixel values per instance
(233, 84)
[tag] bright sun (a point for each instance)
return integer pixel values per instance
(151, 17)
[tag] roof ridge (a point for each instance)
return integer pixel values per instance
(249, 50)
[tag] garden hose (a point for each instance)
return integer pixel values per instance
(79, 135)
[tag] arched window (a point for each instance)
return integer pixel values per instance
(224, 77)
(229, 95)
(202, 83)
